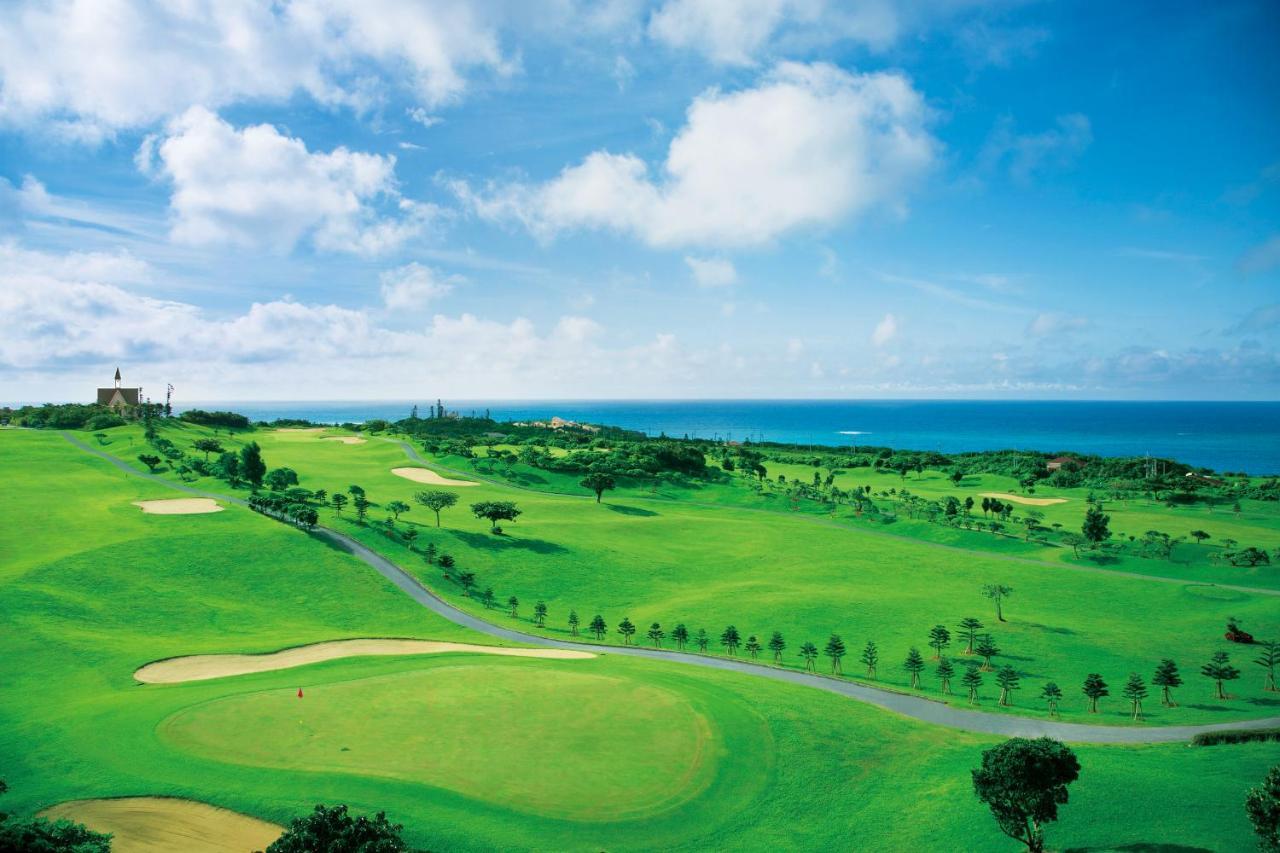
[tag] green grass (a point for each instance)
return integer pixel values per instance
(470, 753)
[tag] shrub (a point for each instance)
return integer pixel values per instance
(1236, 736)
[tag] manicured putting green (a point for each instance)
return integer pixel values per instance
(536, 739)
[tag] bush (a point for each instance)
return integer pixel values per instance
(1236, 736)
(106, 420)
(231, 420)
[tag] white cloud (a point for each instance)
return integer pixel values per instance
(412, 287)
(885, 330)
(423, 117)
(712, 272)
(1027, 154)
(811, 145)
(90, 67)
(258, 187)
(1050, 324)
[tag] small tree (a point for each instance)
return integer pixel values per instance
(207, 446)
(870, 658)
(447, 562)
(1200, 536)
(1023, 782)
(396, 508)
(279, 479)
(972, 680)
(998, 593)
(513, 605)
(809, 652)
(573, 623)
(468, 580)
(1220, 670)
(703, 640)
(681, 636)
(1262, 804)
(835, 650)
(410, 535)
(487, 598)
(914, 664)
(1008, 679)
(1094, 688)
(1135, 690)
(1097, 526)
(627, 629)
(1166, 678)
(987, 649)
(1052, 695)
(656, 634)
(361, 503)
(496, 511)
(333, 829)
(598, 626)
(753, 646)
(540, 613)
(436, 501)
(777, 645)
(730, 638)
(1268, 659)
(150, 460)
(969, 628)
(252, 467)
(945, 671)
(598, 482)
(939, 639)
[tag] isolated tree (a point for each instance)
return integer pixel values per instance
(1220, 670)
(1023, 781)
(777, 645)
(468, 580)
(396, 508)
(598, 482)
(969, 628)
(332, 829)
(540, 613)
(356, 491)
(1166, 678)
(939, 639)
(513, 604)
(1135, 690)
(945, 671)
(656, 634)
(598, 626)
(252, 468)
(986, 649)
(972, 680)
(957, 477)
(998, 593)
(1262, 804)
(1097, 526)
(627, 629)
(573, 622)
(914, 664)
(835, 650)
(870, 658)
(1094, 688)
(681, 635)
(753, 646)
(730, 638)
(496, 511)
(207, 446)
(1051, 693)
(150, 460)
(703, 640)
(436, 501)
(809, 652)
(1200, 536)
(1268, 659)
(1008, 679)
(487, 598)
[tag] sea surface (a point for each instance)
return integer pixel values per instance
(1229, 436)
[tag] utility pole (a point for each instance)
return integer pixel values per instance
(168, 401)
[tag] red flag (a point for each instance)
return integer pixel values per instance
(299, 692)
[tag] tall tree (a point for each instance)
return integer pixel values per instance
(1166, 678)
(1220, 670)
(987, 649)
(1097, 525)
(1094, 688)
(809, 652)
(598, 482)
(598, 626)
(627, 629)
(361, 503)
(656, 634)
(574, 622)
(870, 658)
(969, 628)
(487, 598)
(1023, 782)
(914, 664)
(945, 671)
(835, 650)
(436, 501)
(252, 468)
(939, 639)
(730, 638)
(681, 635)
(777, 645)
(1008, 679)
(1268, 658)
(540, 613)
(998, 592)
(1135, 690)
(468, 580)
(1052, 695)
(1262, 804)
(972, 680)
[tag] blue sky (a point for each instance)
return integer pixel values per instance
(775, 198)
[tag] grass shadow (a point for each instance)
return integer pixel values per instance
(623, 509)
(1141, 847)
(1050, 628)
(494, 543)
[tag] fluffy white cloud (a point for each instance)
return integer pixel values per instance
(884, 331)
(91, 67)
(412, 287)
(712, 272)
(809, 145)
(258, 187)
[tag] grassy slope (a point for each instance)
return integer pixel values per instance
(92, 588)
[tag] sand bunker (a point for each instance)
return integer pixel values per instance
(200, 667)
(300, 429)
(179, 506)
(345, 439)
(431, 478)
(1018, 499)
(168, 825)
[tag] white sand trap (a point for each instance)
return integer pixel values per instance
(168, 825)
(200, 667)
(1018, 499)
(431, 478)
(300, 429)
(179, 506)
(345, 439)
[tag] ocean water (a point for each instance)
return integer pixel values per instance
(1231, 436)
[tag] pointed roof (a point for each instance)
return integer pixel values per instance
(117, 374)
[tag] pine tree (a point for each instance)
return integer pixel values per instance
(939, 639)
(1166, 678)
(1135, 690)
(1219, 669)
(972, 679)
(987, 650)
(914, 664)
(627, 629)
(730, 638)
(946, 671)
(1007, 678)
(540, 613)
(574, 622)
(969, 628)
(487, 598)
(1052, 695)
(809, 652)
(598, 626)
(656, 634)
(753, 646)
(870, 657)
(1095, 688)
(777, 645)
(835, 650)
(703, 640)
(514, 604)
(681, 635)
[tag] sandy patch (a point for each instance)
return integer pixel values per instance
(1019, 499)
(345, 439)
(431, 478)
(168, 825)
(179, 506)
(200, 667)
(300, 429)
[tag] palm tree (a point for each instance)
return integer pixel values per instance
(969, 628)
(656, 634)
(1166, 678)
(946, 671)
(777, 645)
(1052, 695)
(914, 664)
(972, 679)
(573, 622)
(1135, 690)
(730, 638)
(1219, 669)
(1007, 678)
(681, 635)
(598, 626)
(753, 646)
(809, 652)
(626, 628)
(835, 650)
(939, 639)
(1094, 688)
(870, 657)
(987, 650)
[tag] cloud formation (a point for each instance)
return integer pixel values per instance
(711, 272)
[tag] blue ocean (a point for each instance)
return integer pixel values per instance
(1233, 436)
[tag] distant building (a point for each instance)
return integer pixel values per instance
(119, 399)
(1062, 462)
